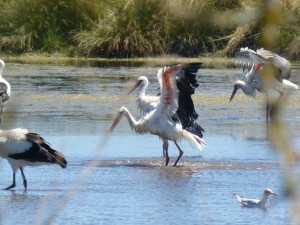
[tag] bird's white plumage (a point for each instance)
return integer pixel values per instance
(2, 65)
(159, 121)
(159, 124)
(4, 89)
(17, 134)
(145, 103)
(255, 63)
(16, 164)
(13, 141)
(169, 91)
(13, 147)
(2, 80)
(256, 203)
(22, 148)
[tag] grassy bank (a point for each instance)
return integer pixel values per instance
(208, 62)
(146, 28)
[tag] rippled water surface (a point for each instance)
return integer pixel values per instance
(120, 178)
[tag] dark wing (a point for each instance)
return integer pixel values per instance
(186, 84)
(40, 151)
(246, 58)
(3, 93)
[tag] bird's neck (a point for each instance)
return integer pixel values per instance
(142, 92)
(131, 120)
(264, 202)
(247, 89)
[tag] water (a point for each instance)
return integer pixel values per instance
(73, 108)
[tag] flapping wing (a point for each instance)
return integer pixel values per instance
(186, 84)
(168, 87)
(247, 58)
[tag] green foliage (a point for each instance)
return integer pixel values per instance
(32, 24)
(147, 28)
(132, 28)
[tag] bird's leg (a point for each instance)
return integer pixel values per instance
(180, 153)
(24, 179)
(1, 111)
(276, 105)
(14, 182)
(267, 109)
(267, 113)
(165, 150)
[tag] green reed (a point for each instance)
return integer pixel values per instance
(140, 28)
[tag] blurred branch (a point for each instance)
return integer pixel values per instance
(272, 20)
(237, 38)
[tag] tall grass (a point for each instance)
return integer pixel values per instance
(134, 28)
(143, 28)
(29, 25)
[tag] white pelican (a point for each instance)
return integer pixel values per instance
(255, 63)
(256, 203)
(160, 121)
(4, 89)
(22, 148)
(186, 83)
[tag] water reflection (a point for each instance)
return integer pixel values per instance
(73, 107)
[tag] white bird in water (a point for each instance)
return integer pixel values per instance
(160, 121)
(256, 203)
(4, 89)
(186, 83)
(22, 148)
(145, 103)
(256, 63)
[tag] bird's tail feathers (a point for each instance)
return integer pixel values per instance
(56, 157)
(60, 159)
(289, 84)
(195, 129)
(194, 140)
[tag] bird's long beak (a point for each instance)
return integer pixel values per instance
(133, 88)
(233, 93)
(116, 121)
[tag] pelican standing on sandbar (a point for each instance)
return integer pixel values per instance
(22, 148)
(160, 121)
